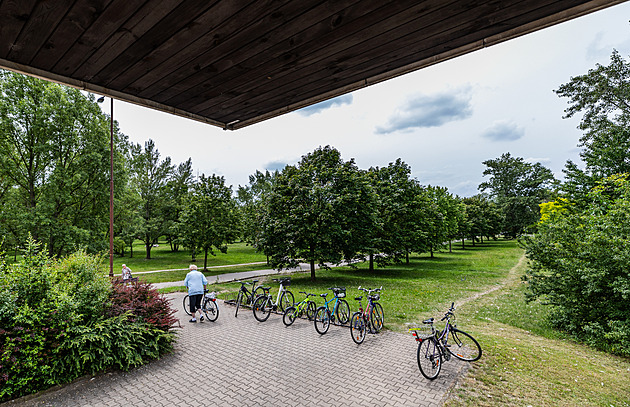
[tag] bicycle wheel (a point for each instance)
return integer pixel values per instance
(289, 316)
(322, 320)
(186, 304)
(257, 292)
(376, 317)
(357, 328)
(286, 300)
(262, 308)
(210, 310)
(343, 312)
(463, 346)
(311, 308)
(429, 358)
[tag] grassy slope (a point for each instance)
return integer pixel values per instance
(525, 362)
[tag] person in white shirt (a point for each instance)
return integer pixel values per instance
(196, 283)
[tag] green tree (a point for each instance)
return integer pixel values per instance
(149, 176)
(251, 200)
(322, 210)
(54, 143)
(517, 187)
(177, 189)
(580, 262)
(210, 218)
(401, 214)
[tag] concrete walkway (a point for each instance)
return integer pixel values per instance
(242, 362)
(229, 277)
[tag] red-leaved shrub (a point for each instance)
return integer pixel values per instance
(144, 302)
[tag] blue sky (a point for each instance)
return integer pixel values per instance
(443, 121)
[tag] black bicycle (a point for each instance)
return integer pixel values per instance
(439, 346)
(245, 297)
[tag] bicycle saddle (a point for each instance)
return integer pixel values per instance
(323, 295)
(428, 321)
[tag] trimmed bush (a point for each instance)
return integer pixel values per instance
(61, 319)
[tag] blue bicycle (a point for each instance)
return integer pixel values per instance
(340, 310)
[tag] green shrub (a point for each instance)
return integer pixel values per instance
(61, 319)
(581, 266)
(111, 342)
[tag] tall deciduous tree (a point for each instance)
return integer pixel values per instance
(518, 188)
(210, 218)
(178, 187)
(320, 211)
(603, 95)
(54, 143)
(149, 176)
(401, 214)
(251, 199)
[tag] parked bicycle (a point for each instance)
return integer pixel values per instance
(245, 297)
(369, 320)
(340, 311)
(305, 306)
(264, 304)
(209, 305)
(439, 346)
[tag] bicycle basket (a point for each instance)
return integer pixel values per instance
(375, 297)
(285, 281)
(340, 292)
(422, 332)
(211, 295)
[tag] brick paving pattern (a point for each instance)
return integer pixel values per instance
(241, 362)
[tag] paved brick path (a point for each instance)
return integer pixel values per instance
(241, 362)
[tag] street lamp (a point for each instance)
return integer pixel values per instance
(111, 185)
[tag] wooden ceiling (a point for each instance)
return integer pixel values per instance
(233, 63)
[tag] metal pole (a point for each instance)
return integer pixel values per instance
(111, 190)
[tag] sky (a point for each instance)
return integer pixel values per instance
(443, 121)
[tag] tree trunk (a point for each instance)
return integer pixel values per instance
(131, 250)
(371, 262)
(407, 256)
(205, 260)
(463, 247)
(481, 239)
(450, 246)
(148, 246)
(431, 250)
(312, 269)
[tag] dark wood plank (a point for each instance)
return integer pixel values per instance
(184, 46)
(79, 18)
(110, 21)
(249, 28)
(133, 28)
(322, 51)
(368, 69)
(340, 74)
(42, 22)
(322, 19)
(160, 32)
(13, 16)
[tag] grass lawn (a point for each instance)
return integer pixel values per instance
(524, 361)
(162, 258)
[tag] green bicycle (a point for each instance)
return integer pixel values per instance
(305, 306)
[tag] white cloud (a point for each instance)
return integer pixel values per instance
(430, 111)
(503, 130)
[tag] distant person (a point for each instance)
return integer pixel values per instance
(196, 283)
(126, 272)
